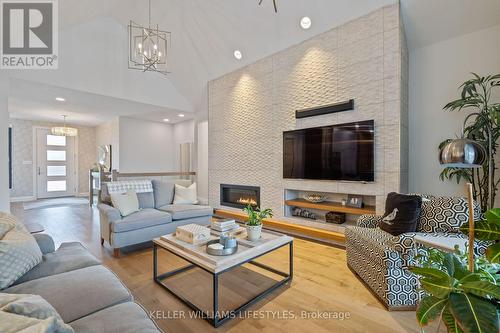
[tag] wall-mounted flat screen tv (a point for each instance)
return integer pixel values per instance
(337, 152)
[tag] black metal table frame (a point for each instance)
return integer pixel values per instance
(217, 320)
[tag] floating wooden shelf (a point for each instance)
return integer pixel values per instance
(330, 206)
(336, 237)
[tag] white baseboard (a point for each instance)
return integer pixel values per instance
(22, 199)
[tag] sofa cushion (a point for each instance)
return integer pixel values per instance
(185, 195)
(181, 212)
(68, 257)
(30, 313)
(144, 218)
(127, 317)
(146, 200)
(445, 214)
(401, 213)
(19, 253)
(77, 293)
(127, 203)
(163, 193)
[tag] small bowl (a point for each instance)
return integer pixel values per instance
(223, 252)
(316, 198)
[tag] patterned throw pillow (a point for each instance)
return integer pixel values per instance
(445, 214)
(29, 313)
(19, 252)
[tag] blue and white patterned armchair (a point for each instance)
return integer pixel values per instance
(381, 260)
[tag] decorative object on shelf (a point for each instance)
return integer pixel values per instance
(303, 213)
(215, 248)
(254, 224)
(343, 202)
(274, 3)
(315, 197)
(354, 201)
(327, 109)
(333, 217)
(484, 131)
(193, 233)
(104, 157)
(64, 130)
(149, 47)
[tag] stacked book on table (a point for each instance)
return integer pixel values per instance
(225, 225)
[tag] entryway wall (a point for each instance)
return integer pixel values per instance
(23, 163)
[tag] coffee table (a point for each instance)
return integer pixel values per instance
(215, 265)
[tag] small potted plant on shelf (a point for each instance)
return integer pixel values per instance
(254, 224)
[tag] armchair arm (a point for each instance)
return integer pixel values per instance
(45, 243)
(368, 221)
(109, 213)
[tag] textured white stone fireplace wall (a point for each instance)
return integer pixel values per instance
(365, 59)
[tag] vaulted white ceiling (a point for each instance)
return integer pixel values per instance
(206, 32)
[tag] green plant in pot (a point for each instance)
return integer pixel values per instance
(464, 301)
(254, 224)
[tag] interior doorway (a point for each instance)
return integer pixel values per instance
(56, 162)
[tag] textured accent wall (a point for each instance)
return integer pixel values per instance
(365, 59)
(22, 154)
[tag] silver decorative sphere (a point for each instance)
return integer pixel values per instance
(462, 153)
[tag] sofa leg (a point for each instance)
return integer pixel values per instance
(102, 241)
(116, 253)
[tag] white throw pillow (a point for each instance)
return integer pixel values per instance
(29, 313)
(186, 195)
(19, 252)
(127, 203)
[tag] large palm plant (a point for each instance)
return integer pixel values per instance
(476, 94)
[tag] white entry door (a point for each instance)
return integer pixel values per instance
(55, 169)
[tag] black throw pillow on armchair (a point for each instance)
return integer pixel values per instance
(401, 213)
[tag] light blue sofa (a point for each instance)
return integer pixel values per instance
(157, 216)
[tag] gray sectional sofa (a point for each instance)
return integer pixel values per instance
(88, 296)
(157, 216)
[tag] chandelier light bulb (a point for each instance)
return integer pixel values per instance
(155, 47)
(159, 54)
(139, 46)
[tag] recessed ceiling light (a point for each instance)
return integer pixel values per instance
(60, 99)
(305, 22)
(238, 55)
(181, 115)
(166, 120)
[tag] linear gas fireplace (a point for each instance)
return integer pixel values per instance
(239, 196)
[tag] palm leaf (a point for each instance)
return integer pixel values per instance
(493, 253)
(482, 289)
(428, 272)
(474, 314)
(429, 309)
(438, 287)
(450, 321)
(483, 230)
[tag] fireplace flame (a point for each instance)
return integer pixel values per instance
(247, 201)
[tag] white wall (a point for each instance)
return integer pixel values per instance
(202, 161)
(146, 146)
(4, 169)
(436, 72)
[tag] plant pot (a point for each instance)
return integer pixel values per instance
(254, 232)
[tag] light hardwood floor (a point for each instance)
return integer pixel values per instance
(322, 283)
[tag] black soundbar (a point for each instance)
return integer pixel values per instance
(332, 108)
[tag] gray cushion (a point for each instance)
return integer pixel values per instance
(127, 317)
(146, 200)
(105, 197)
(68, 257)
(77, 293)
(163, 193)
(180, 212)
(144, 218)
